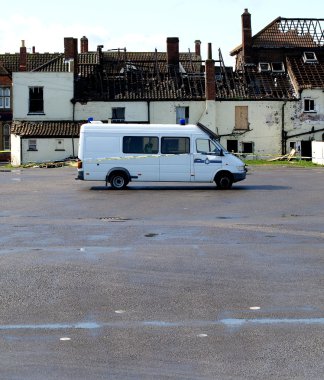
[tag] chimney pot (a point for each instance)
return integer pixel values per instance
(209, 54)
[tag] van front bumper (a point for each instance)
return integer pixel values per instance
(239, 176)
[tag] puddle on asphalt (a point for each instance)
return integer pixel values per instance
(151, 234)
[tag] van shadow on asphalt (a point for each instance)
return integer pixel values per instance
(201, 188)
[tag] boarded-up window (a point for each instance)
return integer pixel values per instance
(241, 118)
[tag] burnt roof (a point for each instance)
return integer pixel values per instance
(306, 74)
(289, 33)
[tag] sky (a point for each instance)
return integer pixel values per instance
(142, 25)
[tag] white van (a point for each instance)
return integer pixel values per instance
(120, 153)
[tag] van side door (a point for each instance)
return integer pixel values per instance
(140, 157)
(207, 160)
(175, 159)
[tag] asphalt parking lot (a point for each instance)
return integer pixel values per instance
(162, 281)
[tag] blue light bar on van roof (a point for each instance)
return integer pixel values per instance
(90, 119)
(182, 122)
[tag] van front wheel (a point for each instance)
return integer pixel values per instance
(224, 180)
(118, 181)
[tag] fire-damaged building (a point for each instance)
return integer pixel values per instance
(270, 102)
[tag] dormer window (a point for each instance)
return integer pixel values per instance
(264, 66)
(310, 57)
(278, 67)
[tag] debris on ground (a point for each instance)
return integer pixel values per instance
(285, 157)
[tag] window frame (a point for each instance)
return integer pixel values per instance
(216, 151)
(180, 110)
(164, 145)
(6, 136)
(115, 116)
(307, 59)
(244, 146)
(32, 145)
(36, 104)
(309, 108)
(5, 97)
(276, 70)
(143, 146)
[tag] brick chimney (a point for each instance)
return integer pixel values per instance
(71, 52)
(246, 37)
(197, 47)
(173, 52)
(84, 44)
(23, 57)
(210, 80)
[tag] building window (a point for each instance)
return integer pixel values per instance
(5, 97)
(36, 100)
(241, 118)
(182, 113)
(309, 57)
(175, 145)
(232, 146)
(309, 105)
(6, 136)
(118, 114)
(247, 147)
(32, 145)
(278, 67)
(264, 66)
(59, 145)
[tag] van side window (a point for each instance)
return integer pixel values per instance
(175, 145)
(140, 144)
(205, 146)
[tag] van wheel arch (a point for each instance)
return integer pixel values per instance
(224, 180)
(118, 178)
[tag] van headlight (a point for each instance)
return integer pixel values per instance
(241, 168)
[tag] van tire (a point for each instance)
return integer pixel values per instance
(224, 180)
(118, 181)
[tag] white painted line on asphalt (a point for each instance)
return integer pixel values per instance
(255, 308)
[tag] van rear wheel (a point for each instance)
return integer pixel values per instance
(118, 181)
(224, 181)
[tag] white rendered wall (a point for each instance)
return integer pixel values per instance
(47, 150)
(57, 94)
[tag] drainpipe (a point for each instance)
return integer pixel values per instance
(21, 152)
(148, 111)
(73, 115)
(283, 132)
